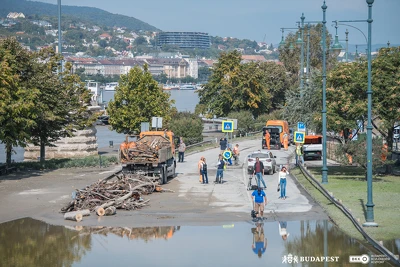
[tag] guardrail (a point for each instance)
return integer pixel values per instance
(211, 141)
(348, 214)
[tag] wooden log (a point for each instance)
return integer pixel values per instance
(76, 215)
(110, 211)
(99, 211)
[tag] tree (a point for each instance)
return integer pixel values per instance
(346, 97)
(204, 74)
(277, 82)
(291, 59)
(17, 97)
(187, 125)
(306, 109)
(234, 87)
(62, 104)
(245, 120)
(137, 99)
(386, 92)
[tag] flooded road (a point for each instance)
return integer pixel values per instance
(29, 242)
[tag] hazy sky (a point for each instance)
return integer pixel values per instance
(255, 19)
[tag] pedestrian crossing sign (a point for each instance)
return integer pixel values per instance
(227, 126)
(299, 137)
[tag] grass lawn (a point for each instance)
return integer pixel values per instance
(349, 185)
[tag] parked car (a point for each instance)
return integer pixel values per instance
(102, 120)
(266, 157)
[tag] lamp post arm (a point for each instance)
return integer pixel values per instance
(365, 37)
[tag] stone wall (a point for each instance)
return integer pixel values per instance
(83, 144)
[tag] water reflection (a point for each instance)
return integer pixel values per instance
(28, 242)
(145, 233)
(259, 241)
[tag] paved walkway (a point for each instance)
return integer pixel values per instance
(232, 195)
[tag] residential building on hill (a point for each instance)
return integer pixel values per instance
(184, 39)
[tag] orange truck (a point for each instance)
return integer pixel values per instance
(160, 163)
(280, 126)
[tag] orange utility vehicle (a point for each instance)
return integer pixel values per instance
(153, 154)
(282, 126)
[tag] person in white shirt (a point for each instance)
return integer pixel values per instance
(282, 182)
(283, 230)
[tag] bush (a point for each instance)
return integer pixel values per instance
(188, 126)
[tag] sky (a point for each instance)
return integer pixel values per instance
(258, 20)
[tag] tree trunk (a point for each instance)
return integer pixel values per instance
(110, 211)
(42, 151)
(389, 141)
(76, 215)
(8, 151)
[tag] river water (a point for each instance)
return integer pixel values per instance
(185, 100)
(29, 242)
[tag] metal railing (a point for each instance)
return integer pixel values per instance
(348, 214)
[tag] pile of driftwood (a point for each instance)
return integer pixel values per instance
(146, 149)
(123, 191)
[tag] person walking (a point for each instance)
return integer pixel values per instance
(204, 171)
(285, 141)
(199, 167)
(259, 172)
(181, 150)
(267, 139)
(236, 154)
(223, 144)
(259, 202)
(299, 154)
(282, 182)
(220, 169)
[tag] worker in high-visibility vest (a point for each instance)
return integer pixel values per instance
(285, 141)
(384, 152)
(267, 139)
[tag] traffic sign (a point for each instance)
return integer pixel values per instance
(301, 126)
(299, 137)
(227, 126)
(227, 154)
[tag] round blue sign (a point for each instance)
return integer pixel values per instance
(227, 154)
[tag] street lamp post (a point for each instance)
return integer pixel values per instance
(347, 45)
(370, 205)
(59, 32)
(302, 57)
(308, 52)
(324, 159)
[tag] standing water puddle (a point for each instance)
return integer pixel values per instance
(29, 242)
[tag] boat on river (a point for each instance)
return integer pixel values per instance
(187, 87)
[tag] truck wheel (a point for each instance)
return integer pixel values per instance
(164, 174)
(174, 170)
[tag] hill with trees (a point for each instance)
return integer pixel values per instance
(85, 14)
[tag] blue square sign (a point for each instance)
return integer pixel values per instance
(299, 137)
(227, 126)
(301, 126)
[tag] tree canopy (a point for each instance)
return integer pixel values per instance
(137, 99)
(235, 86)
